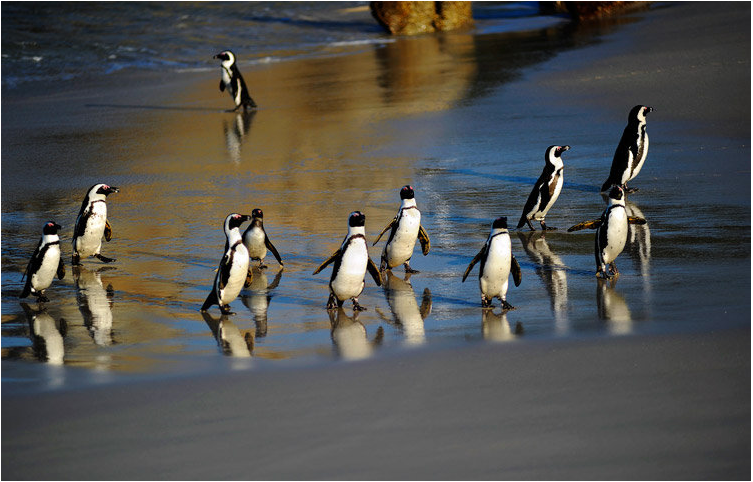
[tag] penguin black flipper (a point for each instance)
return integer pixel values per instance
(636, 220)
(272, 248)
(475, 260)
(374, 272)
(61, 269)
(424, 239)
(211, 300)
(34, 263)
(222, 86)
(336, 255)
(392, 224)
(223, 274)
(593, 224)
(517, 275)
(108, 231)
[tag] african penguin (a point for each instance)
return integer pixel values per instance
(351, 263)
(631, 151)
(405, 229)
(92, 224)
(44, 264)
(256, 240)
(611, 234)
(233, 81)
(497, 262)
(546, 190)
(233, 269)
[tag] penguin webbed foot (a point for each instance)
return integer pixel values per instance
(104, 259)
(547, 228)
(629, 190)
(41, 298)
(357, 307)
(507, 306)
(332, 302)
(225, 310)
(486, 303)
(409, 270)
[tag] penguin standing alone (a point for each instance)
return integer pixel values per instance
(233, 81)
(233, 268)
(44, 264)
(497, 262)
(611, 232)
(405, 229)
(546, 190)
(631, 152)
(351, 263)
(256, 240)
(92, 224)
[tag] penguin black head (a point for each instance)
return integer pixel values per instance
(105, 189)
(50, 228)
(639, 112)
(407, 192)
(257, 213)
(234, 220)
(616, 193)
(556, 151)
(356, 219)
(225, 56)
(500, 223)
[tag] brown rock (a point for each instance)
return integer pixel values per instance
(410, 18)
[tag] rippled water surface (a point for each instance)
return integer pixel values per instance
(459, 117)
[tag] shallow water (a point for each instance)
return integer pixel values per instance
(457, 116)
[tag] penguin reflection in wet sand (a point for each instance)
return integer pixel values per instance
(497, 262)
(351, 263)
(631, 152)
(546, 190)
(611, 232)
(256, 240)
(45, 263)
(233, 81)
(405, 229)
(92, 224)
(233, 269)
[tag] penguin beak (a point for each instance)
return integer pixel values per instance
(246, 217)
(112, 190)
(565, 148)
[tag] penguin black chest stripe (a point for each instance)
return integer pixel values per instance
(486, 253)
(345, 246)
(399, 218)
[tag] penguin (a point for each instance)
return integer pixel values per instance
(256, 240)
(405, 229)
(95, 301)
(349, 337)
(611, 232)
(92, 224)
(233, 269)
(631, 151)
(44, 264)
(546, 190)
(46, 338)
(233, 81)
(497, 262)
(351, 263)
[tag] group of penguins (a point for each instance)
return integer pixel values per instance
(351, 261)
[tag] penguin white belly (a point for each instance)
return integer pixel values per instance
(617, 230)
(644, 154)
(42, 279)
(348, 282)
(226, 77)
(254, 242)
(400, 248)
(494, 278)
(238, 272)
(90, 242)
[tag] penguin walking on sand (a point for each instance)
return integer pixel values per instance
(256, 240)
(497, 262)
(611, 232)
(546, 190)
(351, 263)
(233, 81)
(631, 152)
(233, 269)
(92, 224)
(44, 264)
(405, 229)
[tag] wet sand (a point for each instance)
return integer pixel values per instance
(644, 406)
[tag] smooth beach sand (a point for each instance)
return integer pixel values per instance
(658, 406)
